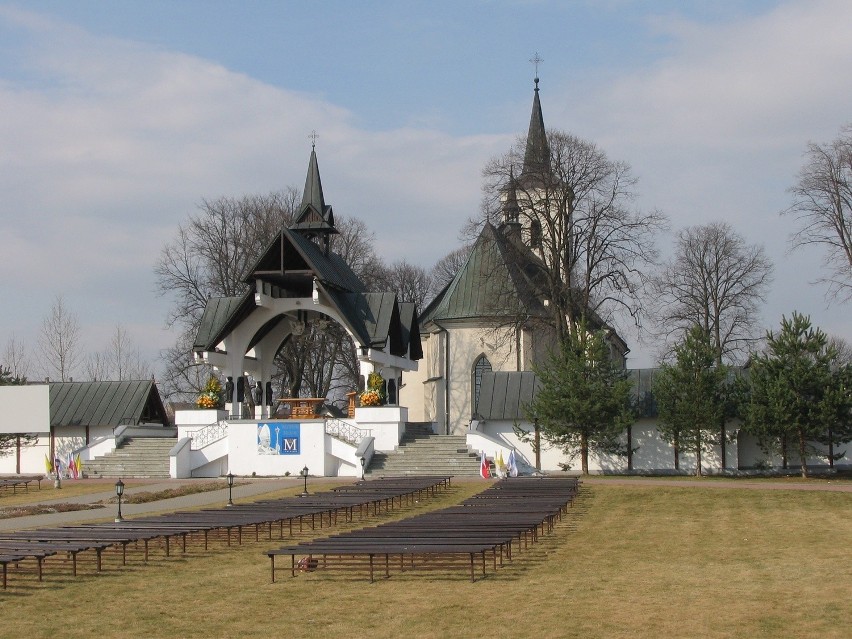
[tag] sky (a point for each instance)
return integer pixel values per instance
(117, 118)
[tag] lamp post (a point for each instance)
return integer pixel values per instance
(304, 473)
(230, 488)
(363, 461)
(119, 490)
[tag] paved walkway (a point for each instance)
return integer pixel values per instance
(244, 488)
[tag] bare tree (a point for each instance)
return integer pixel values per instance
(59, 342)
(215, 249)
(574, 206)
(120, 361)
(210, 257)
(822, 206)
(15, 359)
(715, 281)
(410, 282)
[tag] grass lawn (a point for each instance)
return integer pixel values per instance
(645, 561)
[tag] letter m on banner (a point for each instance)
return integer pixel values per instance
(290, 439)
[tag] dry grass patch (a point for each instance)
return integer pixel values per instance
(626, 562)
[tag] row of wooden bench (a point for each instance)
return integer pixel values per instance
(226, 524)
(17, 481)
(507, 516)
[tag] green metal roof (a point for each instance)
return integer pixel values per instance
(105, 403)
(505, 395)
(217, 313)
(498, 279)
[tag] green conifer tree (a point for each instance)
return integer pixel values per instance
(583, 403)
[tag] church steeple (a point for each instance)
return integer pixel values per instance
(316, 218)
(537, 153)
(511, 210)
(312, 195)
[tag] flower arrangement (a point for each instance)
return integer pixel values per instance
(375, 393)
(211, 396)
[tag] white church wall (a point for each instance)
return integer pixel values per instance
(752, 456)
(467, 343)
(413, 394)
(651, 452)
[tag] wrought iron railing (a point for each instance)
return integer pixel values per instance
(209, 434)
(346, 431)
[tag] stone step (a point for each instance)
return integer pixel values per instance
(424, 453)
(136, 457)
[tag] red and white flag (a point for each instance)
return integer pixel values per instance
(483, 468)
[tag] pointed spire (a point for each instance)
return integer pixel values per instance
(537, 154)
(315, 219)
(312, 195)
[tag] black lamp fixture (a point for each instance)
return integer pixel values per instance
(363, 461)
(304, 473)
(119, 490)
(230, 488)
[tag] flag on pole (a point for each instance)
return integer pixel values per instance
(483, 467)
(500, 464)
(512, 465)
(79, 464)
(48, 465)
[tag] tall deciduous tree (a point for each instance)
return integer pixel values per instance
(583, 403)
(794, 395)
(575, 208)
(59, 342)
(822, 207)
(209, 257)
(120, 361)
(410, 282)
(715, 281)
(15, 357)
(691, 396)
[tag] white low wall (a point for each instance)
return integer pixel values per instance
(280, 447)
(651, 452)
(247, 454)
(387, 424)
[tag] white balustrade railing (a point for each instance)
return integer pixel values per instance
(346, 431)
(209, 434)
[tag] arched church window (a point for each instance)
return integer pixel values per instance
(482, 365)
(535, 234)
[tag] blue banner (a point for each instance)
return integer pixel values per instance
(278, 438)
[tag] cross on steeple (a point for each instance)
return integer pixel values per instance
(313, 138)
(536, 60)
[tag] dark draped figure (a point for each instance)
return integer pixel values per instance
(229, 390)
(241, 389)
(269, 393)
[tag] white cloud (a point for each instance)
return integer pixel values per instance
(110, 144)
(715, 129)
